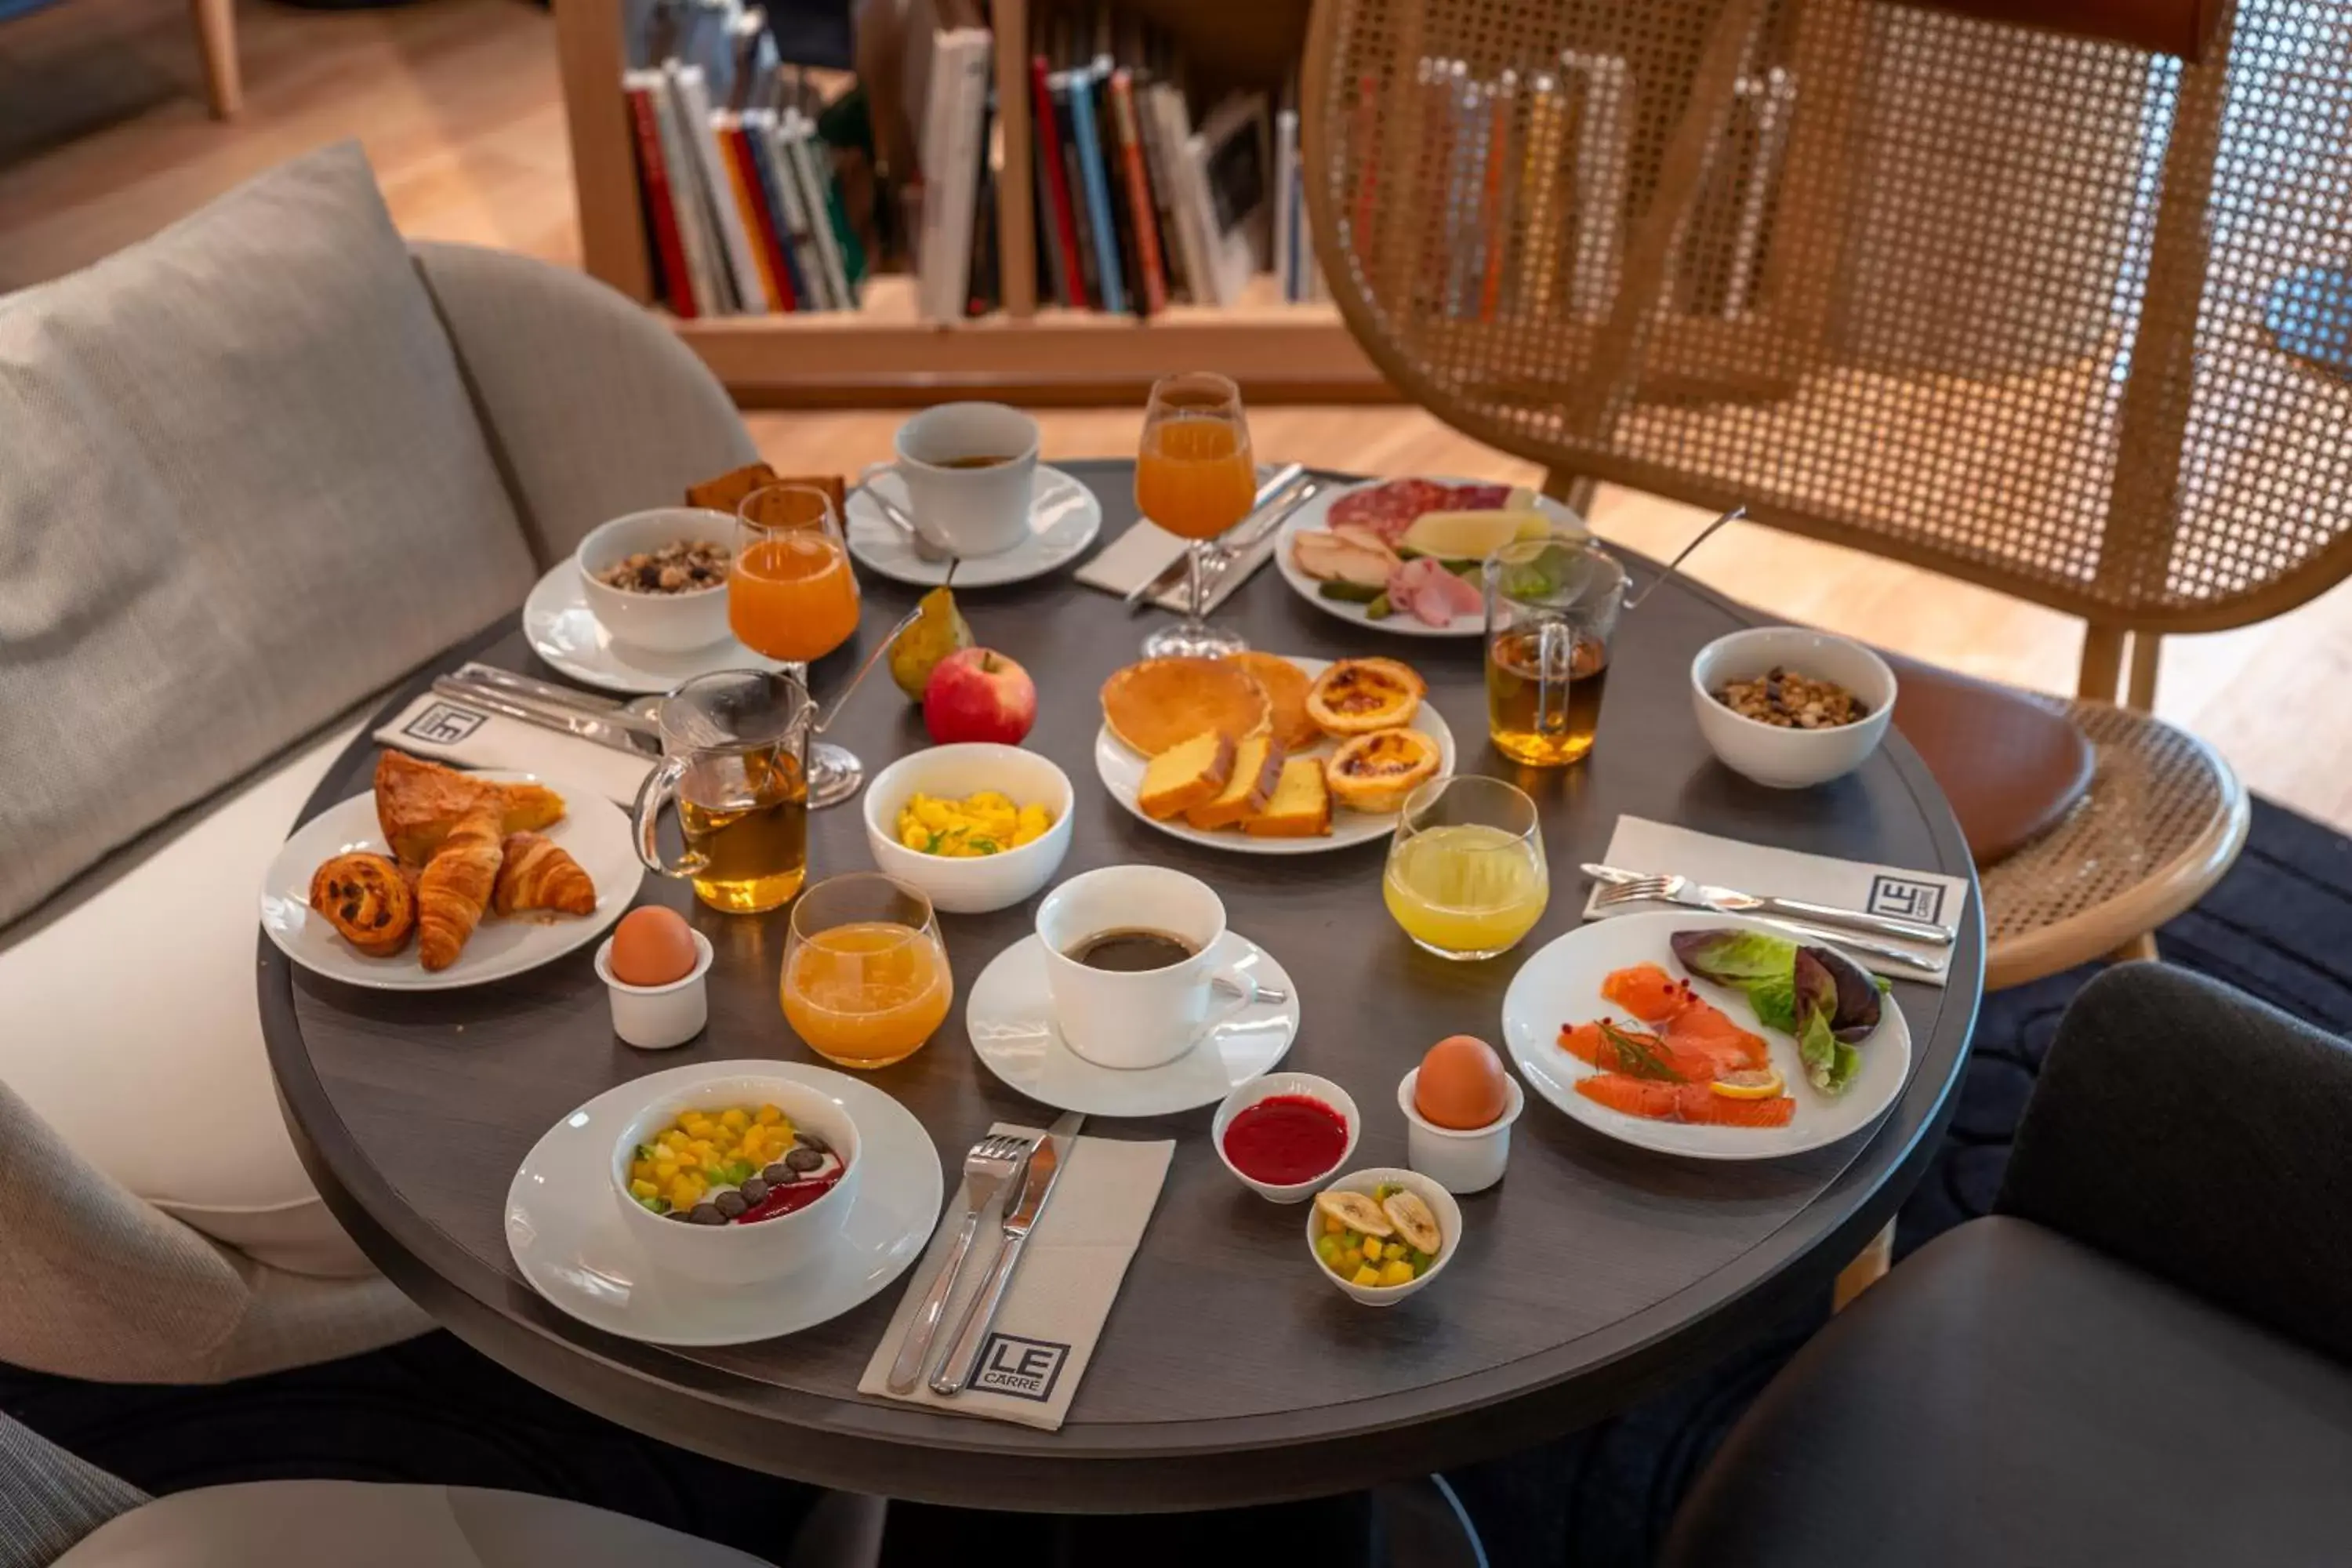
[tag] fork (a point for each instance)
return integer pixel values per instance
(1667, 889)
(993, 1163)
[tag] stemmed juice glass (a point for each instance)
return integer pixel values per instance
(790, 594)
(1466, 876)
(866, 978)
(1195, 477)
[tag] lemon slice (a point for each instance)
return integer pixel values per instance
(1473, 535)
(1754, 1083)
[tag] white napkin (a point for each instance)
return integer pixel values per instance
(1053, 1312)
(448, 729)
(1142, 552)
(1640, 845)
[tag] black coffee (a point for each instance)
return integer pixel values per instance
(979, 462)
(1132, 951)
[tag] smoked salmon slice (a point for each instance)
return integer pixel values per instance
(1692, 1102)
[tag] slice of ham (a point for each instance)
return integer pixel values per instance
(1429, 593)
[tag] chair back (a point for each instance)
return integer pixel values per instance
(1985, 298)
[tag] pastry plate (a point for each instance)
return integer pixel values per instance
(1063, 522)
(593, 829)
(1560, 983)
(1314, 515)
(1011, 1020)
(566, 1232)
(1122, 771)
(562, 630)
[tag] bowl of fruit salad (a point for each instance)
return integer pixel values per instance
(1380, 1234)
(736, 1178)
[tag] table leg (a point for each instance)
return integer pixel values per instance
(1865, 1270)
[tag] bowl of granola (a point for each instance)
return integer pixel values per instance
(1791, 707)
(657, 579)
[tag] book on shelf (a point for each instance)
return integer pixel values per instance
(953, 144)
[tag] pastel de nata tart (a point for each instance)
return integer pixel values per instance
(1189, 774)
(1376, 772)
(1286, 686)
(1258, 769)
(1358, 696)
(1161, 703)
(1300, 807)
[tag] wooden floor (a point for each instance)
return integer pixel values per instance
(103, 139)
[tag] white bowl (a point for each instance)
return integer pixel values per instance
(655, 1017)
(1265, 1086)
(984, 882)
(1460, 1159)
(1790, 759)
(1440, 1204)
(664, 622)
(739, 1253)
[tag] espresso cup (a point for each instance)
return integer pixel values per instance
(1136, 1018)
(969, 471)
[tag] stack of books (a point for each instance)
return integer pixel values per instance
(741, 206)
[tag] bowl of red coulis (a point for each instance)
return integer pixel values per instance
(1282, 1133)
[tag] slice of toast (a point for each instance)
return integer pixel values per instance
(1257, 764)
(1301, 806)
(726, 492)
(1186, 775)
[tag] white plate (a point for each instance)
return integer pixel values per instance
(1121, 771)
(562, 630)
(593, 829)
(1011, 1020)
(1311, 517)
(1560, 983)
(565, 1230)
(1062, 520)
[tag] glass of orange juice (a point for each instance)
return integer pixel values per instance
(790, 594)
(1195, 477)
(866, 977)
(1466, 876)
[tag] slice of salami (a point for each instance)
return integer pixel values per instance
(1480, 498)
(1389, 509)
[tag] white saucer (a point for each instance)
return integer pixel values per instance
(1062, 520)
(591, 830)
(562, 630)
(565, 1231)
(1011, 1020)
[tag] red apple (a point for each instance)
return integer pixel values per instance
(978, 694)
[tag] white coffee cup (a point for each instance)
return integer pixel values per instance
(1141, 1018)
(967, 512)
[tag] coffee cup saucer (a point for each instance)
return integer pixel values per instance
(1010, 1016)
(1064, 518)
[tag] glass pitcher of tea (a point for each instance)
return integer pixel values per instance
(735, 761)
(1552, 608)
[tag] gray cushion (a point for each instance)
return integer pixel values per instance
(351, 1524)
(241, 487)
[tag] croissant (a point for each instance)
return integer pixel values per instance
(456, 887)
(540, 875)
(417, 802)
(366, 899)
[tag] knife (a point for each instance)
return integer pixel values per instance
(1732, 901)
(546, 691)
(1268, 494)
(955, 1368)
(604, 731)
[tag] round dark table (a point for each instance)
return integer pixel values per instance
(1227, 1373)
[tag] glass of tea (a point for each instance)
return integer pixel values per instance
(735, 762)
(866, 977)
(1195, 477)
(1552, 608)
(1466, 876)
(790, 594)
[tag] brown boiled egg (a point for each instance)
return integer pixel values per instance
(1462, 1085)
(651, 946)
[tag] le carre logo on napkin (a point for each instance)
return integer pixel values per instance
(1023, 1368)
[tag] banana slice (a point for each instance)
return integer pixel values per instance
(1413, 1220)
(1358, 1212)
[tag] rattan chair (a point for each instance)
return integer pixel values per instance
(1977, 297)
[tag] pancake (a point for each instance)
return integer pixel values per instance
(1163, 702)
(1286, 687)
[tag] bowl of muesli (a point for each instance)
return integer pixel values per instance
(657, 579)
(1791, 707)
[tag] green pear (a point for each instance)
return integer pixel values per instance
(939, 631)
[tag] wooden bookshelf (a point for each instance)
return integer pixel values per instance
(883, 352)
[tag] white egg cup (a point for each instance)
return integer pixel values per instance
(1461, 1161)
(656, 1018)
